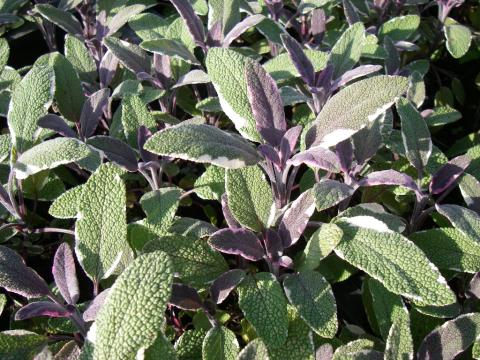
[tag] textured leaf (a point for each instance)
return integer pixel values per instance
(347, 50)
(399, 28)
(241, 27)
(92, 112)
(65, 275)
(140, 295)
(266, 104)
(79, 57)
(313, 299)
(16, 277)
(360, 349)
(191, 19)
(50, 154)
(399, 342)
(449, 248)
(211, 184)
(170, 48)
(203, 143)
(458, 38)
(250, 198)
(122, 17)
(397, 263)
(376, 211)
(262, 301)
(101, 228)
(30, 101)
(130, 55)
(350, 110)
(450, 339)
(20, 344)
(225, 11)
(225, 283)
(281, 66)
(148, 26)
(134, 115)
(226, 69)
(415, 134)
(116, 151)
(241, 242)
(299, 59)
(66, 205)
(189, 345)
(463, 219)
(220, 343)
(470, 189)
(63, 19)
(194, 261)
(328, 193)
(162, 348)
(255, 350)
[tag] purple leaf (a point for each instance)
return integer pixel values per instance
(324, 352)
(344, 150)
(41, 308)
(215, 34)
(273, 245)
(448, 174)
(143, 134)
(5, 201)
(193, 22)
(57, 124)
(317, 24)
(64, 273)
(16, 277)
(116, 151)
(389, 177)
(266, 103)
(227, 214)
(108, 67)
(295, 219)
(353, 74)
(323, 80)
(225, 283)
(289, 141)
(241, 242)
(317, 157)
(286, 262)
(299, 59)
(350, 12)
(270, 154)
(185, 297)
(92, 310)
(92, 112)
(241, 27)
(474, 286)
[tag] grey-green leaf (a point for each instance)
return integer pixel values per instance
(220, 343)
(347, 50)
(459, 38)
(205, 144)
(134, 114)
(61, 18)
(211, 184)
(250, 198)
(465, 220)
(20, 344)
(313, 299)
(399, 342)
(80, 58)
(399, 28)
(170, 48)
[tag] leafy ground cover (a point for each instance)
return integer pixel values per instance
(240, 179)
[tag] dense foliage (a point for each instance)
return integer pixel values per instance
(233, 179)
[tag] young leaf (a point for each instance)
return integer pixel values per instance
(211, 184)
(395, 261)
(141, 292)
(50, 154)
(130, 55)
(30, 101)
(458, 38)
(79, 57)
(347, 50)
(450, 339)
(225, 283)
(399, 342)
(185, 297)
(91, 312)
(281, 67)
(313, 299)
(226, 12)
(41, 308)
(16, 277)
(328, 193)
(250, 198)
(116, 151)
(241, 27)
(57, 124)
(92, 112)
(317, 157)
(65, 275)
(241, 242)
(122, 17)
(465, 220)
(170, 48)
(220, 343)
(266, 103)
(415, 135)
(63, 19)
(204, 144)
(262, 301)
(470, 189)
(448, 174)
(299, 59)
(191, 19)
(399, 28)
(389, 177)
(254, 350)
(135, 114)
(189, 345)
(350, 109)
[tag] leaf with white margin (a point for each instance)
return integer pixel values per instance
(20, 344)
(449, 248)
(328, 193)
(31, 99)
(128, 322)
(459, 38)
(66, 205)
(226, 68)
(250, 198)
(263, 303)
(393, 222)
(463, 219)
(470, 189)
(353, 107)
(220, 343)
(50, 154)
(347, 50)
(450, 339)
(101, 227)
(204, 144)
(395, 261)
(312, 297)
(399, 342)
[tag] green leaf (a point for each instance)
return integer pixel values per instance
(135, 114)
(347, 50)
(211, 184)
(264, 305)
(415, 134)
(255, 350)
(170, 48)
(312, 297)
(470, 189)
(463, 219)
(20, 344)
(226, 11)
(203, 143)
(281, 66)
(116, 22)
(131, 56)
(449, 248)
(162, 348)
(351, 109)
(250, 198)
(189, 345)
(148, 26)
(66, 205)
(395, 261)
(220, 343)
(226, 69)
(79, 57)
(63, 19)
(359, 349)
(399, 28)
(442, 116)
(101, 228)
(458, 38)
(399, 342)
(50, 154)
(194, 261)
(4, 53)
(140, 296)
(328, 193)
(30, 101)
